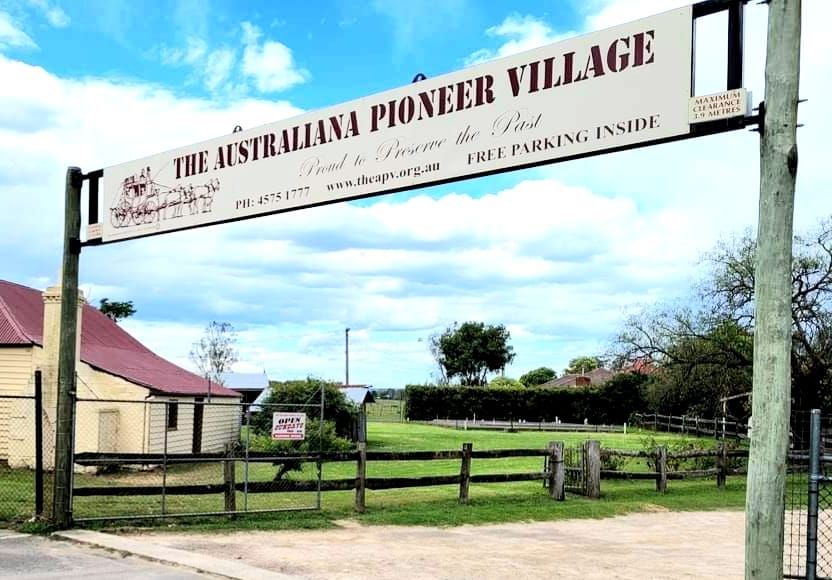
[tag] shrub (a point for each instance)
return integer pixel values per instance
(317, 439)
(337, 409)
(611, 403)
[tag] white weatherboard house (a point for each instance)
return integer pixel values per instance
(122, 386)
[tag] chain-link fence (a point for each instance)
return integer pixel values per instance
(808, 517)
(27, 451)
(175, 456)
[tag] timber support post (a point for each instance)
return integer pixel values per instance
(38, 444)
(361, 478)
(592, 469)
(556, 474)
(64, 435)
(229, 479)
(661, 469)
(465, 472)
(765, 494)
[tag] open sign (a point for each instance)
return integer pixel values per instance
(289, 426)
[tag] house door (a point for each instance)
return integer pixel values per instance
(108, 431)
(199, 409)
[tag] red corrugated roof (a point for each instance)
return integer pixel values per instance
(104, 345)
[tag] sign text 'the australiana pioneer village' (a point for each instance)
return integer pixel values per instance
(613, 88)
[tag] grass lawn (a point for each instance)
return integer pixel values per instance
(421, 506)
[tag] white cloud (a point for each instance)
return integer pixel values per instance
(519, 34)
(270, 64)
(559, 256)
(212, 67)
(11, 35)
(54, 14)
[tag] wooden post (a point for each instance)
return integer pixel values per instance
(465, 472)
(721, 465)
(38, 414)
(765, 494)
(556, 473)
(361, 478)
(229, 479)
(64, 435)
(661, 469)
(697, 425)
(592, 469)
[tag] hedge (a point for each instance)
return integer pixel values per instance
(611, 403)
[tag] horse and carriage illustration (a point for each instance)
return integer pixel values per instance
(142, 200)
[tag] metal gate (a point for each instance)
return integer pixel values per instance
(185, 456)
(808, 517)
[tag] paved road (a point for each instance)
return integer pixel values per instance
(39, 558)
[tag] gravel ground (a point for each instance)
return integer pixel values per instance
(657, 544)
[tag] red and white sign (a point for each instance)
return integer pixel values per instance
(614, 88)
(289, 426)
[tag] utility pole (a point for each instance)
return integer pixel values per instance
(64, 433)
(772, 295)
(347, 357)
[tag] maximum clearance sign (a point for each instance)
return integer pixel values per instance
(608, 89)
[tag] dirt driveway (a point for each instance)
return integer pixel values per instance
(644, 545)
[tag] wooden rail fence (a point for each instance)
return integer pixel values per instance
(553, 473)
(716, 427)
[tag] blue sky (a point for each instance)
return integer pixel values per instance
(560, 254)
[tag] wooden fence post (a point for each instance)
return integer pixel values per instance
(361, 478)
(661, 469)
(465, 472)
(721, 466)
(592, 469)
(556, 473)
(229, 479)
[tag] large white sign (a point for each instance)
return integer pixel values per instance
(617, 87)
(289, 426)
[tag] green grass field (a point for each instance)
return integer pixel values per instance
(385, 410)
(421, 506)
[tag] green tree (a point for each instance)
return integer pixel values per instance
(505, 383)
(285, 394)
(582, 364)
(216, 352)
(472, 350)
(116, 311)
(334, 435)
(703, 349)
(538, 376)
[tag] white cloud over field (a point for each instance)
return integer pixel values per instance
(559, 257)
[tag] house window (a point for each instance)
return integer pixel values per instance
(172, 420)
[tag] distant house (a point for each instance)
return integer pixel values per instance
(359, 395)
(131, 400)
(598, 376)
(249, 385)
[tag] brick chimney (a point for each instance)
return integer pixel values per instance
(52, 341)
